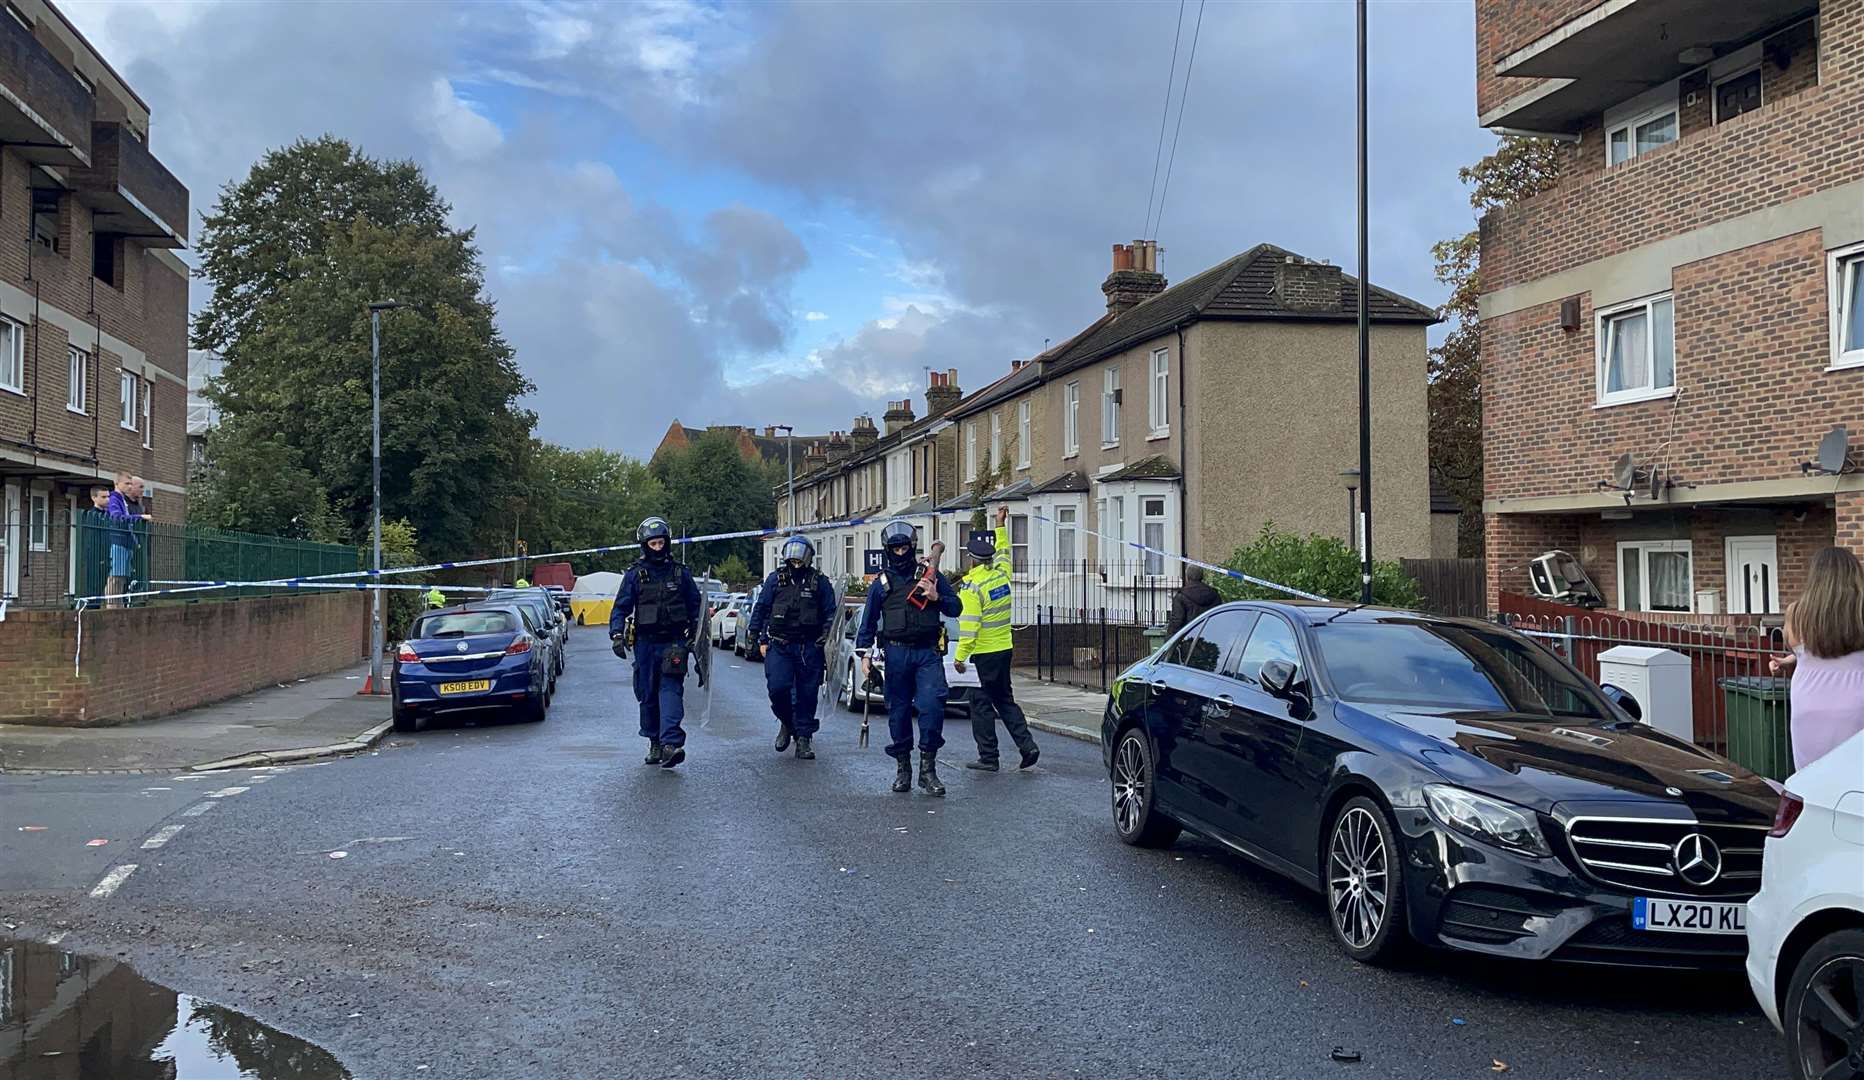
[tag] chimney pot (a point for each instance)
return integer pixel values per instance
(943, 393)
(1135, 276)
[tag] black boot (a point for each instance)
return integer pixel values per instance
(903, 776)
(783, 736)
(928, 774)
(653, 752)
(981, 765)
(803, 752)
(1030, 755)
(672, 756)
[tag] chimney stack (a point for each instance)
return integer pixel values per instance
(770, 431)
(816, 455)
(863, 434)
(1305, 285)
(1135, 276)
(942, 392)
(899, 415)
(837, 446)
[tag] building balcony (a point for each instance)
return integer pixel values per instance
(45, 113)
(132, 192)
(1622, 47)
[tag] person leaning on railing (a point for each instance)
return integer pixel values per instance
(1825, 630)
(125, 511)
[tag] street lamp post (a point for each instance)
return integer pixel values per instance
(1351, 476)
(375, 514)
(1365, 343)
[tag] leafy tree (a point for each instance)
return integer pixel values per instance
(255, 483)
(735, 573)
(575, 499)
(711, 488)
(1520, 167)
(1322, 565)
(399, 606)
(296, 252)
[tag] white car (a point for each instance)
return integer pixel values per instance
(848, 692)
(1806, 925)
(725, 625)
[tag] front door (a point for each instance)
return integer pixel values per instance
(12, 540)
(1753, 575)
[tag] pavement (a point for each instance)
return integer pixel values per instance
(292, 721)
(490, 899)
(1059, 708)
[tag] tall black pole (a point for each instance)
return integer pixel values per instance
(1365, 345)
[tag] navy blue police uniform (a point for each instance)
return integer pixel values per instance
(793, 614)
(915, 672)
(664, 600)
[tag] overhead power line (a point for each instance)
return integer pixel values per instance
(1184, 93)
(1164, 115)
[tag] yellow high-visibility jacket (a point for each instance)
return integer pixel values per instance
(984, 602)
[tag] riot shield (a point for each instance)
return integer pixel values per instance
(702, 649)
(836, 652)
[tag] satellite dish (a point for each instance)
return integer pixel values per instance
(1833, 449)
(1624, 472)
(1656, 485)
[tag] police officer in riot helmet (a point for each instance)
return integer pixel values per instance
(903, 611)
(663, 601)
(790, 624)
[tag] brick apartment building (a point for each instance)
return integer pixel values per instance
(1691, 293)
(93, 300)
(1167, 420)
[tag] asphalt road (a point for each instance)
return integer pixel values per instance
(531, 901)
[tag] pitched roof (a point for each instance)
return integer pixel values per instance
(1068, 481)
(1016, 492)
(1026, 376)
(1242, 287)
(1157, 467)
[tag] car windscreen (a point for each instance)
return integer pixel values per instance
(461, 623)
(1449, 666)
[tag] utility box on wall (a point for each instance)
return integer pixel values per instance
(1659, 679)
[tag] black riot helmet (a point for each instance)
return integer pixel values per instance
(798, 552)
(655, 528)
(898, 539)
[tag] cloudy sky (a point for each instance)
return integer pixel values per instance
(776, 213)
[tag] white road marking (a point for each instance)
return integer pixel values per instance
(113, 880)
(163, 836)
(146, 790)
(187, 778)
(226, 792)
(198, 809)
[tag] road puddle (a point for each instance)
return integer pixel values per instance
(78, 1017)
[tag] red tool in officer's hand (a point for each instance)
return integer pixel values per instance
(925, 590)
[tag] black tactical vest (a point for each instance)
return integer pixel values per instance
(660, 611)
(901, 623)
(796, 611)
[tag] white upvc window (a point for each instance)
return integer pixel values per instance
(1022, 435)
(39, 520)
(12, 356)
(1019, 543)
(1846, 288)
(970, 451)
(1152, 532)
(1071, 419)
(1656, 575)
(1112, 532)
(148, 411)
(1158, 410)
(1110, 408)
(1636, 351)
(77, 380)
(1640, 133)
(126, 400)
(996, 441)
(1066, 545)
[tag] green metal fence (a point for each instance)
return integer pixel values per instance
(164, 552)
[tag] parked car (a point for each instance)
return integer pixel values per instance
(725, 622)
(1806, 925)
(467, 659)
(848, 692)
(1438, 780)
(538, 624)
(560, 596)
(549, 620)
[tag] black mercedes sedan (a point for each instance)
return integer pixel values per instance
(1439, 781)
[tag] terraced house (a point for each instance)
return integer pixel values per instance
(1670, 333)
(1184, 418)
(93, 300)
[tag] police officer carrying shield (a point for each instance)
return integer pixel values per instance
(789, 623)
(908, 627)
(664, 600)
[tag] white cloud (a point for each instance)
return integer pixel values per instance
(816, 316)
(460, 127)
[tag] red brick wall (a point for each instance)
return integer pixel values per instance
(1752, 346)
(145, 662)
(1502, 26)
(1511, 541)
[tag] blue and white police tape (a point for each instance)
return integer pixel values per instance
(1236, 575)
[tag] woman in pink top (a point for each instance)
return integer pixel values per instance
(1825, 630)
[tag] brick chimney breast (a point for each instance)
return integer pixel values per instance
(1135, 276)
(837, 446)
(942, 392)
(899, 414)
(863, 434)
(1304, 285)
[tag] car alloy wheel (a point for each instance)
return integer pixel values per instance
(1135, 812)
(1363, 883)
(1825, 1008)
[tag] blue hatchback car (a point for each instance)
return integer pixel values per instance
(466, 659)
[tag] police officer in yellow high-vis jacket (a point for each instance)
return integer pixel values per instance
(984, 639)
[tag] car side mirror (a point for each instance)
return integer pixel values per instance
(1622, 698)
(1278, 678)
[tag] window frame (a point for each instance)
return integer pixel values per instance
(1019, 551)
(1110, 407)
(1162, 519)
(1838, 260)
(996, 440)
(1715, 91)
(1602, 319)
(77, 380)
(13, 357)
(1071, 419)
(1631, 123)
(1071, 528)
(50, 243)
(148, 414)
(127, 392)
(970, 451)
(1023, 433)
(38, 528)
(1644, 549)
(1158, 418)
